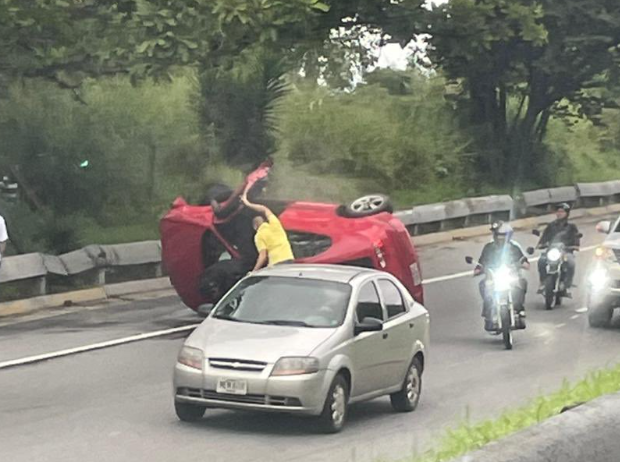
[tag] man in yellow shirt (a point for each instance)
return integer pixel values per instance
(270, 239)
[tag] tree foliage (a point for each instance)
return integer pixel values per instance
(516, 61)
(397, 138)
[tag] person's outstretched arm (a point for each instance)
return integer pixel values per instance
(256, 207)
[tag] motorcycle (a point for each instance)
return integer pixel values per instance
(554, 285)
(500, 282)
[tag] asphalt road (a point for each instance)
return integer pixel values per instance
(115, 404)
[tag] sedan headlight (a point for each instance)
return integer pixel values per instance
(598, 279)
(295, 366)
(604, 253)
(191, 357)
(554, 255)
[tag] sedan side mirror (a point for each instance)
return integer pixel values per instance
(604, 227)
(368, 325)
(535, 232)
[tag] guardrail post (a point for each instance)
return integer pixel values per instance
(41, 286)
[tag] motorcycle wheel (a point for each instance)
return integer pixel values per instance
(549, 292)
(506, 329)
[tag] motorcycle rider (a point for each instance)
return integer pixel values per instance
(502, 250)
(560, 231)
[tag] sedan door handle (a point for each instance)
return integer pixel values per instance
(385, 336)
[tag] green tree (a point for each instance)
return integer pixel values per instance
(535, 53)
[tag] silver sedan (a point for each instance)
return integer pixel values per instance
(306, 339)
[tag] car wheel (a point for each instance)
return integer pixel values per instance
(406, 400)
(600, 316)
(189, 412)
(335, 410)
(368, 205)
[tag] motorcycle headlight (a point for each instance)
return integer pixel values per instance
(191, 357)
(504, 279)
(295, 366)
(598, 279)
(554, 255)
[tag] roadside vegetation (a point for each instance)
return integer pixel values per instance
(468, 436)
(102, 134)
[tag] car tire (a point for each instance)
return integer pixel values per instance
(189, 412)
(367, 206)
(335, 409)
(406, 400)
(600, 316)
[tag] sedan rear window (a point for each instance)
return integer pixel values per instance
(286, 301)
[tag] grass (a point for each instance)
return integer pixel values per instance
(468, 437)
(119, 234)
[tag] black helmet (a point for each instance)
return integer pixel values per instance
(564, 206)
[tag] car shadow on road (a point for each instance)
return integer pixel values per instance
(268, 424)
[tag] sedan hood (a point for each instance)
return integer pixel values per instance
(255, 342)
(613, 241)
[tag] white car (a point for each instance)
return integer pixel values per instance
(604, 279)
(306, 339)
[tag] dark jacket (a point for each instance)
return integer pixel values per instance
(494, 256)
(560, 231)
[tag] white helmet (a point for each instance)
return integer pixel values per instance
(500, 228)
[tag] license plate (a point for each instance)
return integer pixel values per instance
(232, 387)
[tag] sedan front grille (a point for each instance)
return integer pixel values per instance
(237, 364)
(250, 399)
(262, 400)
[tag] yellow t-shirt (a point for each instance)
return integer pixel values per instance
(271, 237)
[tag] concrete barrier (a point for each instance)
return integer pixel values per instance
(589, 432)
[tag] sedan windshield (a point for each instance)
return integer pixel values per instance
(286, 301)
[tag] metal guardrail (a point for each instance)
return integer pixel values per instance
(445, 216)
(424, 219)
(96, 265)
(93, 265)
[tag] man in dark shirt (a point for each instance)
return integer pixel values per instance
(502, 250)
(560, 231)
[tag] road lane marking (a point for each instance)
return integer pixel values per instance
(575, 316)
(582, 310)
(450, 277)
(162, 333)
(94, 346)
(558, 326)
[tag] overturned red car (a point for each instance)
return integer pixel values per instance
(207, 248)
